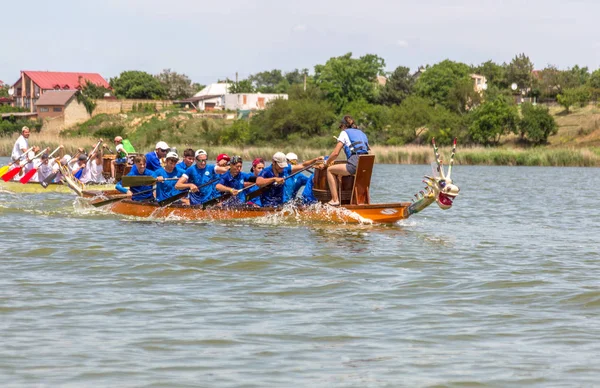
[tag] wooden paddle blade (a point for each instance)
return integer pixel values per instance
(137, 180)
(170, 200)
(11, 174)
(49, 179)
(28, 176)
(110, 200)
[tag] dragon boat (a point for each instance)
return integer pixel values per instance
(356, 206)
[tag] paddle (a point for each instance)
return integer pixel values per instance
(107, 148)
(118, 197)
(49, 179)
(32, 172)
(170, 200)
(258, 192)
(223, 197)
(140, 180)
(9, 175)
(4, 169)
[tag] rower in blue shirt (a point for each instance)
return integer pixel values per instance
(138, 193)
(274, 176)
(197, 175)
(293, 185)
(153, 157)
(166, 188)
(233, 181)
(188, 160)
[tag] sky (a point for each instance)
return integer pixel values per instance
(211, 40)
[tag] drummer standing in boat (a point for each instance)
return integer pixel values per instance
(355, 143)
(21, 145)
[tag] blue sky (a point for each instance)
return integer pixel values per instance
(212, 40)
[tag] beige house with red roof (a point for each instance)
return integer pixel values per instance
(33, 84)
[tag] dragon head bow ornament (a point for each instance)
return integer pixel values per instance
(439, 188)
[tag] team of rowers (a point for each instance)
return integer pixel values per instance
(223, 182)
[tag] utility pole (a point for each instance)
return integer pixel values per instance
(305, 82)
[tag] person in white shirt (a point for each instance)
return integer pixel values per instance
(93, 170)
(21, 145)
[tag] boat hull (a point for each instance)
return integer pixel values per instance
(378, 213)
(35, 187)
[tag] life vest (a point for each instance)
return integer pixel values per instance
(359, 144)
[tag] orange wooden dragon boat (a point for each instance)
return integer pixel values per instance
(356, 206)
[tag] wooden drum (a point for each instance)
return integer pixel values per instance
(106, 162)
(321, 187)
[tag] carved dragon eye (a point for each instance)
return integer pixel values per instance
(442, 183)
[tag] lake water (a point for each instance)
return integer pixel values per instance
(502, 290)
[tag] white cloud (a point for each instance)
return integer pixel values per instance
(401, 43)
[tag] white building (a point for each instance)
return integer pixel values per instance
(250, 101)
(216, 97)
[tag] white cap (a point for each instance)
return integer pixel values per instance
(65, 159)
(291, 156)
(172, 155)
(200, 152)
(280, 159)
(162, 145)
(30, 155)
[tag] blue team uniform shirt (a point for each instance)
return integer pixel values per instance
(199, 177)
(274, 195)
(236, 183)
(166, 189)
(152, 161)
(182, 166)
(307, 194)
(138, 189)
(292, 186)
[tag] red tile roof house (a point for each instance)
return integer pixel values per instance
(33, 84)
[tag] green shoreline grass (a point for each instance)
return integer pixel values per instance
(539, 156)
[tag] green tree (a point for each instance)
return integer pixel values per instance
(243, 86)
(440, 80)
(398, 87)
(137, 84)
(537, 123)
(575, 77)
(418, 119)
(594, 84)
(371, 118)
(304, 118)
(177, 86)
(495, 74)
(91, 90)
(269, 81)
(4, 90)
(519, 71)
(569, 97)
(345, 79)
(296, 76)
(492, 119)
(196, 87)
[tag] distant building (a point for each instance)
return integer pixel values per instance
(479, 83)
(381, 80)
(61, 108)
(217, 97)
(250, 101)
(33, 84)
